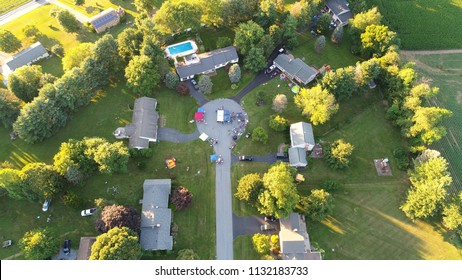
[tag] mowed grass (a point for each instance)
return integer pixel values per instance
(109, 110)
(8, 5)
(445, 72)
(93, 7)
(222, 84)
(423, 24)
(243, 248)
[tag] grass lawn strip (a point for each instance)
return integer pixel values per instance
(8, 5)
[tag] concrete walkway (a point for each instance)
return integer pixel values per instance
(20, 11)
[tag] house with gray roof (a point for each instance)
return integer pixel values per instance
(301, 136)
(295, 69)
(143, 128)
(294, 239)
(156, 217)
(339, 10)
(25, 57)
(207, 63)
(297, 157)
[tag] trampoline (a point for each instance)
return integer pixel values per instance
(295, 89)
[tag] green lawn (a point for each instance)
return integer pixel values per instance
(243, 248)
(222, 84)
(423, 24)
(445, 70)
(8, 5)
(93, 7)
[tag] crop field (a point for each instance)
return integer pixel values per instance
(445, 71)
(423, 24)
(8, 5)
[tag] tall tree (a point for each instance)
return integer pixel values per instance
(318, 205)
(171, 80)
(267, 13)
(452, 216)
(255, 60)
(249, 187)
(261, 243)
(238, 11)
(317, 104)
(8, 42)
(320, 44)
(366, 71)
(68, 21)
(116, 244)
(278, 123)
(144, 6)
(112, 157)
(118, 216)
(289, 32)
(323, 24)
(175, 16)
(427, 123)
(142, 75)
(9, 108)
(10, 180)
(39, 181)
(30, 30)
(337, 35)
(75, 56)
(362, 20)
(340, 82)
(129, 42)
(39, 244)
(234, 73)
(24, 82)
(248, 35)
(181, 198)
(280, 195)
(212, 12)
(338, 154)
(259, 134)
(376, 40)
(430, 180)
(205, 84)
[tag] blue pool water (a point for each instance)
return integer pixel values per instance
(186, 46)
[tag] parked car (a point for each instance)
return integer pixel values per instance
(67, 246)
(245, 158)
(282, 155)
(270, 219)
(267, 227)
(88, 212)
(270, 69)
(194, 83)
(46, 204)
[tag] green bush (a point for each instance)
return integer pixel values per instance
(402, 160)
(260, 135)
(234, 86)
(73, 200)
(278, 123)
(141, 165)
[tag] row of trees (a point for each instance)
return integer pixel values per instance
(50, 110)
(72, 164)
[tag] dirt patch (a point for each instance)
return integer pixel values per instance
(260, 103)
(383, 167)
(317, 151)
(281, 147)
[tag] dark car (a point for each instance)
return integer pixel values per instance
(194, 83)
(282, 155)
(270, 219)
(67, 246)
(245, 158)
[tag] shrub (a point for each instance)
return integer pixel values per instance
(73, 200)
(234, 86)
(401, 158)
(234, 73)
(279, 103)
(171, 80)
(223, 42)
(57, 50)
(330, 185)
(260, 135)
(278, 123)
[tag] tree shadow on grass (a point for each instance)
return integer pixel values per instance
(47, 41)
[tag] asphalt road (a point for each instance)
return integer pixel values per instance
(21, 10)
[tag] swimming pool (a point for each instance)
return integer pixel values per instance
(181, 49)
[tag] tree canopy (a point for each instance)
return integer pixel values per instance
(181, 198)
(261, 243)
(67, 20)
(75, 56)
(317, 104)
(8, 42)
(116, 244)
(10, 106)
(376, 40)
(142, 75)
(39, 244)
(338, 154)
(247, 36)
(118, 216)
(205, 84)
(318, 205)
(177, 15)
(24, 82)
(249, 187)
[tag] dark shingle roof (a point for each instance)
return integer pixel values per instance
(144, 119)
(208, 61)
(104, 18)
(340, 9)
(26, 56)
(296, 67)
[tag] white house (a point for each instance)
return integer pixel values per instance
(301, 136)
(339, 10)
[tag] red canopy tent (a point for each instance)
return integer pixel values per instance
(199, 116)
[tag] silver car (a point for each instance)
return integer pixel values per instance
(46, 204)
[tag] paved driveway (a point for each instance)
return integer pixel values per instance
(173, 135)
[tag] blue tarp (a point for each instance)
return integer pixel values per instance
(200, 110)
(213, 157)
(227, 116)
